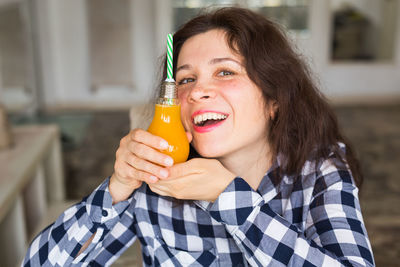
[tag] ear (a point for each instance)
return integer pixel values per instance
(273, 109)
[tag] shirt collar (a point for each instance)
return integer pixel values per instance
(270, 185)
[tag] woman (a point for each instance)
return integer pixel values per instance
(276, 183)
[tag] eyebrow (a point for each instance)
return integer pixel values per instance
(211, 62)
(222, 59)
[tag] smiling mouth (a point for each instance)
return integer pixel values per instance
(209, 118)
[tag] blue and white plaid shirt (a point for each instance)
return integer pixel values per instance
(314, 220)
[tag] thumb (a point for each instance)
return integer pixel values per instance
(183, 169)
(189, 136)
(178, 170)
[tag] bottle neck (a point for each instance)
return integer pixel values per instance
(168, 94)
(168, 101)
(168, 90)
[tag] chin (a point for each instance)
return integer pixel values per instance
(209, 150)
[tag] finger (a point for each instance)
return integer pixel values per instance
(150, 154)
(130, 173)
(146, 166)
(144, 137)
(184, 169)
(157, 190)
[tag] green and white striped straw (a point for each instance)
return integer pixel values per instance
(170, 77)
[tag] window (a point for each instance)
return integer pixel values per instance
(293, 14)
(363, 30)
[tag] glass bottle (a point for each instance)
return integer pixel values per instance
(168, 125)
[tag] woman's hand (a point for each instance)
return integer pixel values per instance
(196, 179)
(138, 159)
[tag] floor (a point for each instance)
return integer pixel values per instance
(90, 141)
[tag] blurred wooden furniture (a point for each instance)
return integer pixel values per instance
(31, 180)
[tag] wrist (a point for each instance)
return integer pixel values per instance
(224, 183)
(119, 191)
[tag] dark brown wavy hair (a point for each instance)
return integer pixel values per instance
(304, 127)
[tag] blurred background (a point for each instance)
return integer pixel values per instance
(75, 76)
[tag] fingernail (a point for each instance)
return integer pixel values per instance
(164, 173)
(164, 144)
(153, 179)
(169, 161)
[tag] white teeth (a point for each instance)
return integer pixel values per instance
(208, 116)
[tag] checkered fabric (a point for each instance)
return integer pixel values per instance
(314, 220)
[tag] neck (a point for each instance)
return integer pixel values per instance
(250, 164)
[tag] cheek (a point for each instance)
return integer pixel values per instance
(185, 116)
(182, 96)
(237, 93)
(247, 103)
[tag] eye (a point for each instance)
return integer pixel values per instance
(185, 81)
(225, 73)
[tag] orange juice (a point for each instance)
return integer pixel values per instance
(167, 124)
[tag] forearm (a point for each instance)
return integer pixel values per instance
(59, 243)
(77, 232)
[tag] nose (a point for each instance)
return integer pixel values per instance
(201, 92)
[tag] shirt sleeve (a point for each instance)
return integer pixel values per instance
(334, 234)
(59, 243)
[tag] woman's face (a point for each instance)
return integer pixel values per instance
(222, 108)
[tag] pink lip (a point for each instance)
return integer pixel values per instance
(209, 128)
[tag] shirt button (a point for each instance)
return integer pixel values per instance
(104, 213)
